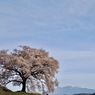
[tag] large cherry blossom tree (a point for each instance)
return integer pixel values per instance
(27, 66)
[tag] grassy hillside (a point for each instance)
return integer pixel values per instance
(5, 91)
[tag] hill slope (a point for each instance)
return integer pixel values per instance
(5, 91)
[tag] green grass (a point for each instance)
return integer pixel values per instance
(5, 91)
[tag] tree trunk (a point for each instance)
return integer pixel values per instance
(24, 85)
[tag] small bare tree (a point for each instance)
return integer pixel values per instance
(25, 64)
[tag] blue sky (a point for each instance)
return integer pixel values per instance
(65, 28)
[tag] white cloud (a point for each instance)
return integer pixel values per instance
(79, 80)
(72, 55)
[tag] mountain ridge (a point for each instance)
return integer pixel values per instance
(69, 90)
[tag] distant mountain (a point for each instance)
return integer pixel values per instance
(68, 90)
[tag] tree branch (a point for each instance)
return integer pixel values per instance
(18, 72)
(13, 81)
